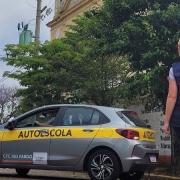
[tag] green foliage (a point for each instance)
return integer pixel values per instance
(146, 32)
(92, 62)
(45, 72)
(104, 70)
(143, 32)
(85, 66)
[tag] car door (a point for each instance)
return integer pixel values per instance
(26, 143)
(78, 128)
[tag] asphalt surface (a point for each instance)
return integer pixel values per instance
(43, 175)
(65, 175)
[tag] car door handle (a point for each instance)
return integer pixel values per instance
(43, 131)
(88, 130)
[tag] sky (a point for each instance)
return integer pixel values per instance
(13, 12)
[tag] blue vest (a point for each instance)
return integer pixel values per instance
(175, 117)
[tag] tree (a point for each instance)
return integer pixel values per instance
(8, 102)
(44, 71)
(147, 34)
(102, 72)
(80, 67)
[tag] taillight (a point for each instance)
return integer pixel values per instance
(128, 133)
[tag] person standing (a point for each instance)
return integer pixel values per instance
(172, 112)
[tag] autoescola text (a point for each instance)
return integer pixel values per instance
(48, 133)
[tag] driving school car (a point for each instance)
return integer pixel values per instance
(106, 142)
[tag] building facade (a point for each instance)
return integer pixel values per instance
(65, 11)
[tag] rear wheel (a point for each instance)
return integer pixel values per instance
(22, 172)
(135, 175)
(103, 164)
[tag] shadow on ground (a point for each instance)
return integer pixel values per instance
(158, 174)
(40, 177)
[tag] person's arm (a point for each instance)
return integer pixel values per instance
(42, 124)
(170, 103)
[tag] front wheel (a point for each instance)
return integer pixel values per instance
(103, 164)
(22, 172)
(135, 175)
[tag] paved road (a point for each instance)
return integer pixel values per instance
(10, 174)
(42, 175)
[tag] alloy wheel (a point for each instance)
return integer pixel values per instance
(102, 166)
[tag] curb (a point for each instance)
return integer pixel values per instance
(161, 176)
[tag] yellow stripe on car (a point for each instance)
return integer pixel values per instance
(146, 134)
(30, 134)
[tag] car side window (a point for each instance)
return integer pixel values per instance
(27, 122)
(80, 116)
(46, 116)
(95, 118)
(104, 119)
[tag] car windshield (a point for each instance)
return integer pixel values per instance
(131, 117)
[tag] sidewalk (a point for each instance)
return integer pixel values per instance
(161, 173)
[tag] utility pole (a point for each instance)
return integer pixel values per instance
(38, 20)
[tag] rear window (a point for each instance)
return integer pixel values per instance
(132, 118)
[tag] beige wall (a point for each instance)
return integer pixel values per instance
(60, 21)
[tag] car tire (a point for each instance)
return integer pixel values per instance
(22, 172)
(135, 175)
(103, 164)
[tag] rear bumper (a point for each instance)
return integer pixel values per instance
(145, 164)
(136, 156)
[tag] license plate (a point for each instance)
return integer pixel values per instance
(152, 158)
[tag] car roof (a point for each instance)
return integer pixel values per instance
(82, 105)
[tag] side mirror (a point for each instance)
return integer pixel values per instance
(10, 125)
